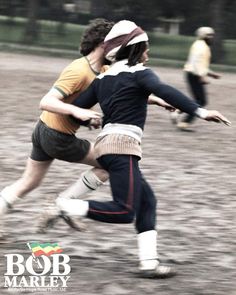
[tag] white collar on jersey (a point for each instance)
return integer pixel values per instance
(121, 66)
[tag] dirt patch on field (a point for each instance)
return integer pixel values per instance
(193, 175)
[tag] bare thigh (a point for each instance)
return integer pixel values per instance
(90, 158)
(98, 170)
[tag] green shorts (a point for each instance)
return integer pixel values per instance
(49, 144)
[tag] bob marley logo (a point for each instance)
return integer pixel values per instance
(45, 268)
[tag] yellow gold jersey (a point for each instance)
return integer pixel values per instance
(199, 59)
(74, 79)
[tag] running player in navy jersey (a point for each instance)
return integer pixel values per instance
(123, 92)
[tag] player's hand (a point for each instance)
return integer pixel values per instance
(217, 117)
(204, 80)
(160, 102)
(85, 114)
(169, 107)
(95, 123)
(214, 75)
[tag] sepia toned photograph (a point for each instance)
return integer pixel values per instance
(117, 147)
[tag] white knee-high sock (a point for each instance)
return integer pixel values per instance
(7, 199)
(87, 183)
(74, 207)
(147, 250)
(3, 206)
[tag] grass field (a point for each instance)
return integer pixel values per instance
(54, 35)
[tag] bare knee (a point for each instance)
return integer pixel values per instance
(90, 158)
(101, 174)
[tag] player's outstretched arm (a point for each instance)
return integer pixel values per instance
(212, 115)
(154, 100)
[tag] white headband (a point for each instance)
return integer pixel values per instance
(123, 33)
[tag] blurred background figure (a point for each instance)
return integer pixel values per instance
(197, 69)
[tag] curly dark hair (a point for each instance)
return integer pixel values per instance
(94, 35)
(132, 52)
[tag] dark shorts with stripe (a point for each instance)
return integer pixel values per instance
(49, 144)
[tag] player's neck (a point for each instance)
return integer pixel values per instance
(95, 59)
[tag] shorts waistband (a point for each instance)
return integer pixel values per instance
(54, 130)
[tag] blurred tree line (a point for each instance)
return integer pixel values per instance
(151, 14)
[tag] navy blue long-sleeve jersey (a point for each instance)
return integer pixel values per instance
(123, 91)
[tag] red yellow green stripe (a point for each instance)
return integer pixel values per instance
(45, 249)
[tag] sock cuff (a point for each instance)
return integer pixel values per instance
(91, 180)
(9, 198)
(148, 235)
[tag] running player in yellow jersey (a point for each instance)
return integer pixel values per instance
(197, 69)
(54, 135)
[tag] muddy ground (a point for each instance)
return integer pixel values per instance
(192, 173)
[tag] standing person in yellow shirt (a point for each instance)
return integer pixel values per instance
(54, 135)
(197, 69)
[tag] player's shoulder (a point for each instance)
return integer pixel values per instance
(76, 65)
(200, 44)
(81, 60)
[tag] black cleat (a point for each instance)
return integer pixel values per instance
(79, 226)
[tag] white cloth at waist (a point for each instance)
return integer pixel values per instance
(125, 129)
